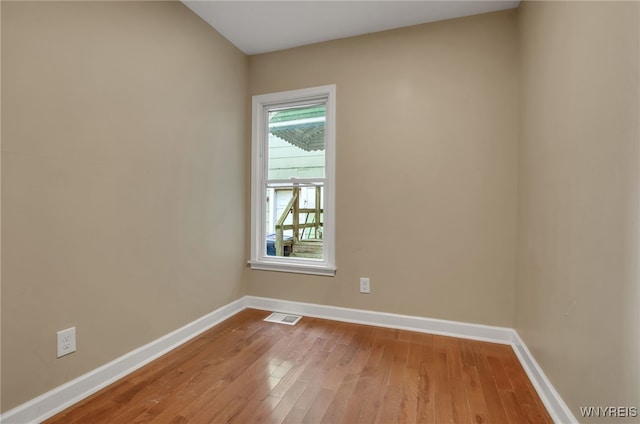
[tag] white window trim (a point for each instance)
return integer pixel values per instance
(259, 259)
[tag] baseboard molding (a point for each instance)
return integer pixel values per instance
(56, 400)
(559, 411)
(383, 319)
(556, 407)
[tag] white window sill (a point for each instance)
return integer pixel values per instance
(312, 269)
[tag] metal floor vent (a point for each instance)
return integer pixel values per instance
(281, 318)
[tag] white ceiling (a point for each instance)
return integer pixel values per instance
(265, 26)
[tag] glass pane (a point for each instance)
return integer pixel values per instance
(296, 142)
(287, 235)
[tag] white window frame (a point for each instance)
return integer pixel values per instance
(260, 107)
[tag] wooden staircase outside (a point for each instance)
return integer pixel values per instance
(310, 248)
(307, 233)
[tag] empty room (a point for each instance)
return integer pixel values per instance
(320, 211)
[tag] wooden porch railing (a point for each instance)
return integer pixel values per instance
(293, 207)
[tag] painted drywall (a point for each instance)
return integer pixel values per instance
(426, 168)
(579, 184)
(123, 178)
(0, 215)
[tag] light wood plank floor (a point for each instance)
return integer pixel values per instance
(319, 371)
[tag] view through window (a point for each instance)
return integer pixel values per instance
(295, 179)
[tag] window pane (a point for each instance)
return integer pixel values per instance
(293, 157)
(296, 145)
(287, 235)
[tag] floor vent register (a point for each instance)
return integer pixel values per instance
(281, 318)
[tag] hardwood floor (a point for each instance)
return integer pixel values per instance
(246, 370)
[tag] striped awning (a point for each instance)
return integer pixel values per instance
(302, 127)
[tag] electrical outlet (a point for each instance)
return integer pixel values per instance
(365, 285)
(66, 341)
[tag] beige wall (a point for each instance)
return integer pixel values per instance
(578, 271)
(426, 168)
(123, 175)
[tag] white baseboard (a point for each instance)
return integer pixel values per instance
(383, 319)
(62, 397)
(559, 411)
(56, 400)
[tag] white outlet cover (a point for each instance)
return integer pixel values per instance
(365, 285)
(66, 341)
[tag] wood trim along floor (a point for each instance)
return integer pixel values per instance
(60, 398)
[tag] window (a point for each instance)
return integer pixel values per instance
(293, 184)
